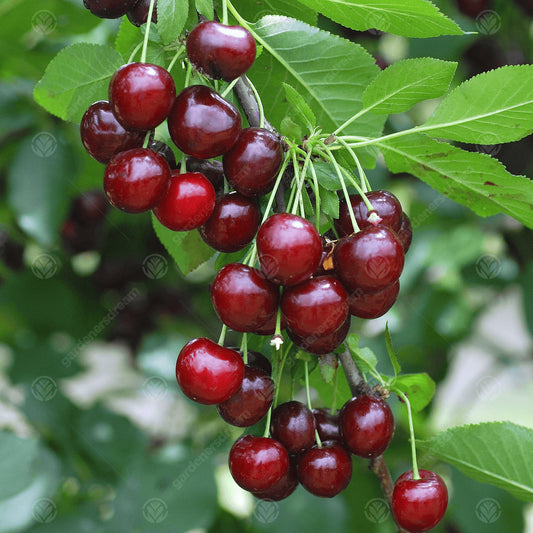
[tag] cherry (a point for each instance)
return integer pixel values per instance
(366, 425)
(269, 327)
(418, 505)
(208, 373)
(89, 208)
(257, 463)
(108, 9)
(283, 488)
(141, 95)
(202, 124)
(220, 51)
(243, 298)
(371, 259)
(164, 150)
(405, 233)
(316, 307)
(212, 170)
(251, 402)
(325, 471)
(293, 425)
(373, 304)
(289, 248)
(259, 361)
(138, 14)
(472, 8)
(327, 424)
(233, 223)
(321, 345)
(188, 202)
(103, 136)
(135, 180)
(385, 205)
(326, 265)
(252, 164)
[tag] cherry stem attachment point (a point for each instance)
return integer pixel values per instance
(416, 474)
(222, 335)
(147, 31)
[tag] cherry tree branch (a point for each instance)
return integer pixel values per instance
(244, 93)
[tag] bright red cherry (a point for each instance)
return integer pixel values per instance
(293, 425)
(373, 304)
(103, 136)
(138, 14)
(108, 9)
(243, 298)
(316, 307)
(405, 233)
(257, 463)
(233, 223)
(208, 373)
(135, 180)
(418, 505)
(327, 424)
(221, 52)
(203, 124)
(283, 488)
(188, 202)
(370, 260)
(385, 205)
(141, 95)
(325, 471)
(366, 425)
(289, 248)
(321, 345)
(251, 402)
(252, 164)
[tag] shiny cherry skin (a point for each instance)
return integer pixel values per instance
(109, 9)
(188, 202)
(251, 402)
(252, 164)
(321, 345)
(141, 95)
(325, 471)
(316, 307)
(208, 373)
(136, 180)
(257, 463)
(418, 505)
(405, 233)
(327, 424)
(283, 488)
(243, 298)
(370, 260)
(366, 426)
(138, 14)
(221, 52)
(103, 136)
(373, 304)
(202, 124)
(385, 205)
(294, 426)
(289, 249)
(233, 223)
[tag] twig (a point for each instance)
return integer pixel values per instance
(245, 95)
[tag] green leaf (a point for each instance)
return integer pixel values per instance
(498, 453)
(171, 18)
(328, 367)
(326, 391)
(78, 76)
(390, 350)
(472, 179)
(326, 175)
(329, 202)
(186, 248)
(419, 389)
(364, 358)
(253, 10)
(300, 106)
(205, 8)
(411, 18)
(494, 107)
(407, 82)
(128, 37)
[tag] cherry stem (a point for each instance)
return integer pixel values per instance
(309, 405)
(135, 50)
(229, 88)
(317, 195)
(222, 335)
(183, 165)
(147, 31)
(365, 184)
(267, 425)
(176, 57)
(416, 474)
(188, 75)
(298, 199)
(224, 12)
(244, 348)
(281, 364)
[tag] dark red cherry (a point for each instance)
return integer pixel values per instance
(252, 164)
(283, 488)
(293, 425)
(373, 304)
(233, 223)
(371, 259)
(135, 180)
(289, 248)
(325, 471)
(366, 425)
(259, 361)
(327, 424)
(221, 52)
(138, 14)
(164, 150)
(188, 202)
(472, 8)
(208, 373)
(203, 124)
(418, 505)
(385, 205)
(89, 208)
(212, 170)
(405, 233)
(321, 345)
(243, 298)
(257, 463)
(316, 307)
(108, 9)
(141, 95)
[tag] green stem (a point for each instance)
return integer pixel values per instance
(224, 12)
(188, 75)
(183, 165)
(317, 195)
(298, 200)
(147, 32)
(229, 88)
(309, 406)
(416, 474)
(244, 348)
(135, 50)
(365, 184)
(176, 57)
(354, 118)
(282, 360)
(364, 141)
(222, 335)
(267, 425)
